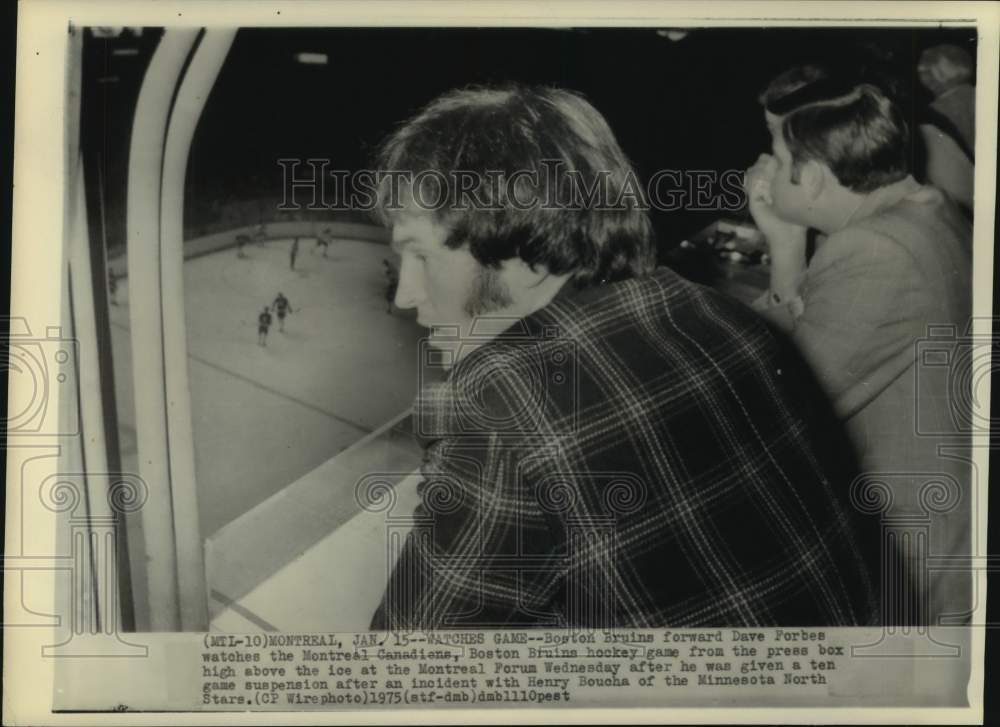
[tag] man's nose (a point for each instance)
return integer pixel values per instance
(409, 290)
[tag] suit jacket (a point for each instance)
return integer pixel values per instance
(639, 454)
(958, 105)
(883, 319)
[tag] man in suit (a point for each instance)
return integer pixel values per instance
(613, 446)
(891, 272)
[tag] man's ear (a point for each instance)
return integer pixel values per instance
(813, 177)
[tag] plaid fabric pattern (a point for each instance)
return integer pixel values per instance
(640, 454)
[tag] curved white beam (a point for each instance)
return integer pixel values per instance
(195, 89)
(143, 232)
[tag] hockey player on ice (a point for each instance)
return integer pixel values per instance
(263, 324)
(282, 307)
(323, 240)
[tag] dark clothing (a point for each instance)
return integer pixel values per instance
(281, 306)
(646, 453)
(958, 105)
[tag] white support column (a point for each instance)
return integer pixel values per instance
(195, 89)
(146, 321)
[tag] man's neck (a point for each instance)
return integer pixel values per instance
(836, 209)
(530, 299)
(535, 296)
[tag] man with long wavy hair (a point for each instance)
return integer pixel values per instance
(613, 446)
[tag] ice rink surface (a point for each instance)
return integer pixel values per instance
(265, 416)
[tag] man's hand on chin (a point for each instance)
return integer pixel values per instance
(786, 241)
(757, 185)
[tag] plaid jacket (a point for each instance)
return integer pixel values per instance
(640, 454)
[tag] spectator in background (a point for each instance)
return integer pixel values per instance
(948, 124)
(947, 72)
(892, 261)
